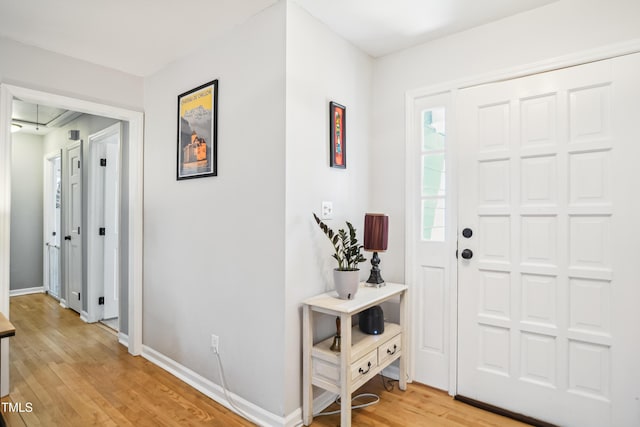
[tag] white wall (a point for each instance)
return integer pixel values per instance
(552, 31)
(321, 67)
(26, 211)
(39, 69)
(214, 246)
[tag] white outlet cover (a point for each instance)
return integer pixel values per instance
(327, 210)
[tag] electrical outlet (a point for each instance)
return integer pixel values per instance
(214, 343)
(327, 210)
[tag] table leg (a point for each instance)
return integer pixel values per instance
(307, 345)
(345, 370)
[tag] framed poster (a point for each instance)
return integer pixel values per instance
(337, 132)
(198, 132)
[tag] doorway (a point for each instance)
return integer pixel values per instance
(543, 300)
(134, 177)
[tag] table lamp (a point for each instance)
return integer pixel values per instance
(376, 231)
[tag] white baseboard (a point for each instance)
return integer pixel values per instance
(26, 291)
(258, 415)
(392, 371)
(84, 316)
(63, 303)
(123, 339)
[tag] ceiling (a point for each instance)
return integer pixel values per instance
(142, 36)
(38, 119)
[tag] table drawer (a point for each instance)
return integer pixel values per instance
(363, 366)
(389, 349)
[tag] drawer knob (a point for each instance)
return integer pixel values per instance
(395, 348)
(362, 371)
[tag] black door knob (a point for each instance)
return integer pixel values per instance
(467, 254)
(467, 232)
(67, 237)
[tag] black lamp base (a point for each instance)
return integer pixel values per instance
(375, 279)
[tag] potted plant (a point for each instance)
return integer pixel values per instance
(348, 253)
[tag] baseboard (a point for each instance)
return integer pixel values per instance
(26, 291)
(63, 303)
(257, 415)
(123, 339)
(84, 316)
(392, 371)
(323, 401)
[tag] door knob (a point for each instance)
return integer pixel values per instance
(467, 254)
(67, 237)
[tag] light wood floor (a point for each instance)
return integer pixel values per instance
(76, 374)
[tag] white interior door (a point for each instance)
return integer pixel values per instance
(104, 224)
(73, 237)
(52, 223)
(112, 227)
(548, 317)
(433, 239)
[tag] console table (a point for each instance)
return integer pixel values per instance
(361, 357)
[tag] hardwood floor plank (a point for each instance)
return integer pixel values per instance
(77, 374)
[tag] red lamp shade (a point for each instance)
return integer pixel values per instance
(376, 232)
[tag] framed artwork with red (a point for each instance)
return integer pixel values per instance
(338, 135)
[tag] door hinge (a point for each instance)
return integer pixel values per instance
(100, 300)
(78, 164)
(78, 296)
(102, 231)
(78, 229)
(103, 163)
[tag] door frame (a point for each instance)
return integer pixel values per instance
(452, 87)
(135, 184)
(94, 274)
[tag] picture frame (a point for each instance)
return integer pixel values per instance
(337, 135)
(197, 143)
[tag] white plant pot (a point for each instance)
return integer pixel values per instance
(346, 283)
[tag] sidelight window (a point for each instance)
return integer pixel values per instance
(433, 174)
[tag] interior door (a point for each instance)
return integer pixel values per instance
(73, 236)
(112, 226)
(433, 240)
(52, 223)
(548, 293)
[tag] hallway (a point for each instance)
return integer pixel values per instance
(76, 374)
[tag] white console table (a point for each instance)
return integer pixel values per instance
(361, 357)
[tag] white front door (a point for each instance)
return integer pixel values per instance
(549, 324)
(73, 237)
(433, 238)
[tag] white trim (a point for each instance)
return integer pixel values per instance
(593, 55)
(63, 303)
(135, 135)
(84, 316)
(5, 226)
(26, 291)
(392, 372)
(123, 339)
(258, 415)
